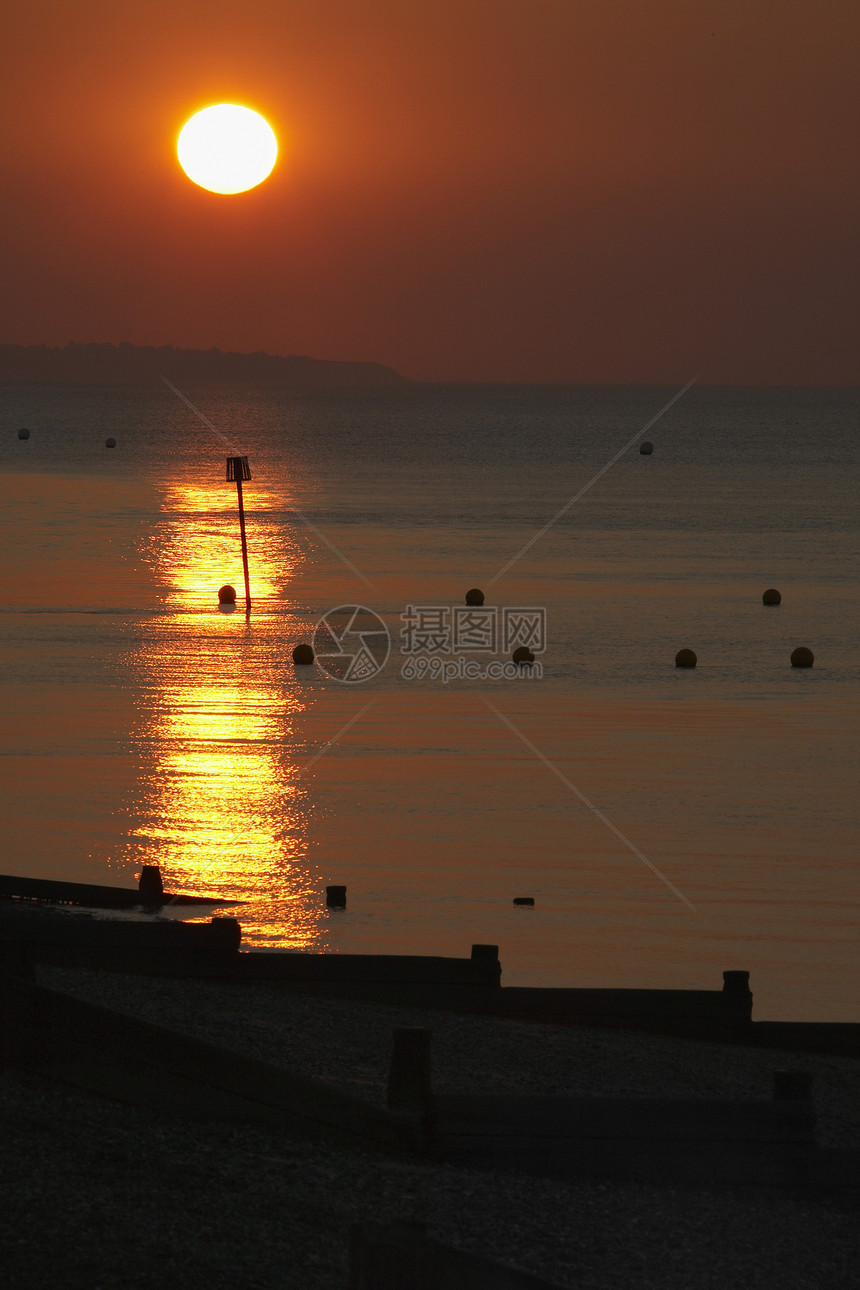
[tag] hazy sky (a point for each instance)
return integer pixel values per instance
(511, 190)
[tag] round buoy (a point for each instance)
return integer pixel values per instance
(685, 658)
(771, 597)
(646, 448)
(303, 654)
(802, 657)
(522, 654)
(524, 900)
(23, 434)
(110, 443)
(475, 596)
(226, 595)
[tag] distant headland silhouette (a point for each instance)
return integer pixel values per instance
(141, 364)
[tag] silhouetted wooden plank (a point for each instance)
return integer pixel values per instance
(58, 1036)
(668, 1141)
(162, 947)
(92, 896)
(467, 985)
(723, 1014)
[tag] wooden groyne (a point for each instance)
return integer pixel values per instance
(644, 1139)
(459, 985)
(148, 894)
(664, 1140)
(667, 1141)
(474, 985)
(161, 948)
(709, 1014)
(211, 951)
(56, 1036)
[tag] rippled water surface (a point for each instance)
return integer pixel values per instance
(669, 823)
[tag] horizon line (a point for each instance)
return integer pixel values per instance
(590, 382)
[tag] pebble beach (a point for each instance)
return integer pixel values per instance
(100, 1195)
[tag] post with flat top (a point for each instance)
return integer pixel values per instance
(238, 469)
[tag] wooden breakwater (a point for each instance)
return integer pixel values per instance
(212, 951)
(645, 1139)
(159, 948)
(474, 985)
(457, 984)
(710, 1014)
(656, 1140)
(149, 893)
(56, 1036)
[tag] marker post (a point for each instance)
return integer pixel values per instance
(238, 469)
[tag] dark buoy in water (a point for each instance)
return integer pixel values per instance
(685, 658)
(110, 443)
(303, 654)
(23, 434)
(522, 654)
(335, 897)
(226, 595)
(802, 657)
(771, 597)
(646, 448)
(524, 900)
(475, 596)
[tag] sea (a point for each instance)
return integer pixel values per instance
(669, 823)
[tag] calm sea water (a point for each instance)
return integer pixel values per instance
(668, 823)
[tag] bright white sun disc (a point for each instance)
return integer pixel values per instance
(226, 148)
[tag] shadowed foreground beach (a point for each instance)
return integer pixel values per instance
(97, 1194)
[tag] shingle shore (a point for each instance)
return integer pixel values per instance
(98, 1195)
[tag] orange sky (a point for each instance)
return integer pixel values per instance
(489, 190)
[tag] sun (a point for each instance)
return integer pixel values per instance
(226, 148)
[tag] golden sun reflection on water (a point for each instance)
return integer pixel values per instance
(199, 548)
(222, 811)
